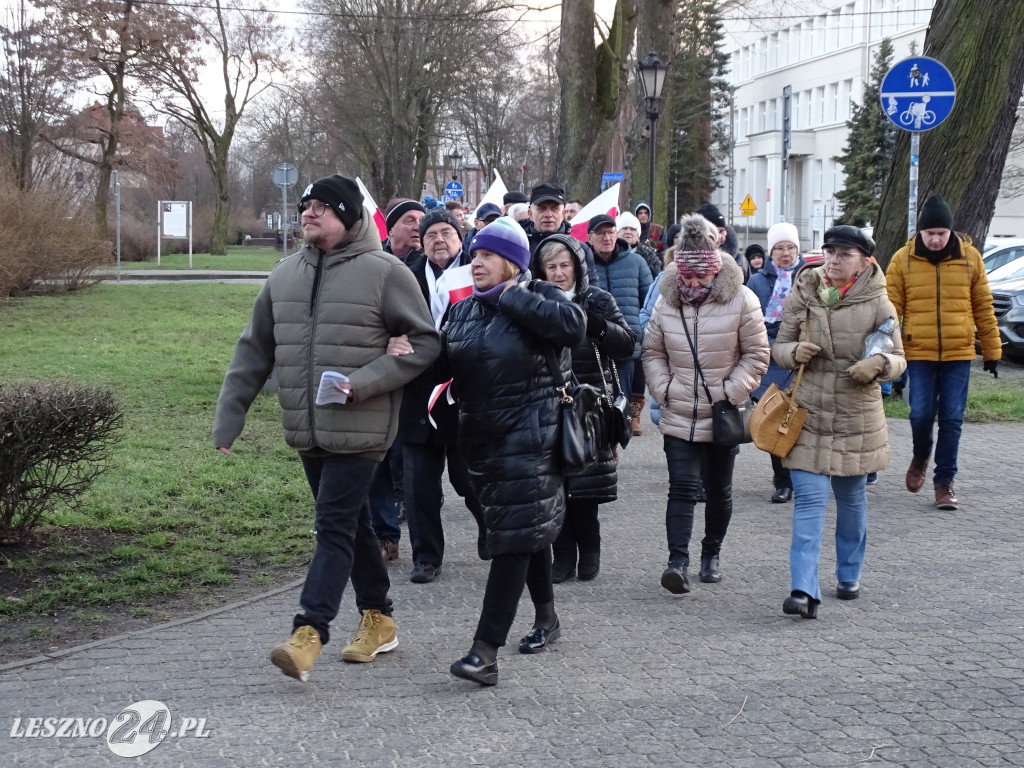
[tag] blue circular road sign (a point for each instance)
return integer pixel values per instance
(452, 190)
(918, 93)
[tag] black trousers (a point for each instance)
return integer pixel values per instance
(422, 471)
(505, 582)
(781, 474)
(346, 545)
(581, 531)
(685, 460)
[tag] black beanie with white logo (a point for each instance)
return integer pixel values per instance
(341, 193)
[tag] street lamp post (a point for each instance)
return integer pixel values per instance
(652, 73)
(456, 159)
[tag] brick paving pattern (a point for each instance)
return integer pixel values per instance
(925, 670)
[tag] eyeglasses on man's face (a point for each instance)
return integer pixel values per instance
(447, 233)
(315, 207)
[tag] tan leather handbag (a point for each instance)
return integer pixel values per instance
(776, 421)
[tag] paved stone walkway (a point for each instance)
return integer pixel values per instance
(925, 670)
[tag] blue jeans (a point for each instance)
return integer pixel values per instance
(938, 389)
(384, 495)
(810, 497)
(346, 546)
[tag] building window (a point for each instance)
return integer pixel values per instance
(818, 117)
(845, 91)
(805, 103)
(832, 104)
(762, 118)
(770, 123)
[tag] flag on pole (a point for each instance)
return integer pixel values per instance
(375, 213)
(494, 194)
(606, 202)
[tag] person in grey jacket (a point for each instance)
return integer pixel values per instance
(335, 306)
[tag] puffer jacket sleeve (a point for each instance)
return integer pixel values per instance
(895, 285)
(404, 313)
(618, 340)
(655, 357)
(793, 320)
(249, 370)
(981, 306)
(648, 307)
(754, 351)
(543, 310)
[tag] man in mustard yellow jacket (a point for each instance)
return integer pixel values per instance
(938, 285)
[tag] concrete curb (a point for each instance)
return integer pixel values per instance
(55, 655)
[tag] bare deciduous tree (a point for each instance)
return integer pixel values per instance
(981, 42)
(247, 55)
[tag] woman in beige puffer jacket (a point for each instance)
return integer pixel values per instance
(825, 322)
(724, 320)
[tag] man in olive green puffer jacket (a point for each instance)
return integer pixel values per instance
(334, 307)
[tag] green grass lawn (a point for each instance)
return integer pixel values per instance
(238, 257)
(183, 516)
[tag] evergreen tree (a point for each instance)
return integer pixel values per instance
(870, 144)
(699, 111)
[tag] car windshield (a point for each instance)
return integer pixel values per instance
(1011, 271)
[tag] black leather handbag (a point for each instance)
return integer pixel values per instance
(580, 420)
(728, 422)
(615, 405)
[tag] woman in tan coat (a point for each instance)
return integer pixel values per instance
(825, 323)
(726, 328)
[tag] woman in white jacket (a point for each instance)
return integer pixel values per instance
(726, 328)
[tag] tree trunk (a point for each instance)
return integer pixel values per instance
(593, 83)
(981, 42)
(222, 203)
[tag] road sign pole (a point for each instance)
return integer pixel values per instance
(915, 161)
(284, 220)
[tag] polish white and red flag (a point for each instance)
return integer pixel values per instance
(457, 281)
(375, 213)
(494, 194)
(606, 202)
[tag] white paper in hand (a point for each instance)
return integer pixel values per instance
(330, 389)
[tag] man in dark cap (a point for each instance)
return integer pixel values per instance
(547, 214)
(511, 198)
(485, 214)
(938, 285)
(323, 321)
(625, 275)
(402, 221)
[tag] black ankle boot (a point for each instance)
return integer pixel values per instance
(709, 572)
(590, 564)
(801, 603)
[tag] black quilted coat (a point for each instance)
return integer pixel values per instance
(508, 408)
(608, 329)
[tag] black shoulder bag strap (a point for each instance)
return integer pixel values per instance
(556, 373)
(696, 364)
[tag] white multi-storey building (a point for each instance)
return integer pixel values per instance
(822, 51)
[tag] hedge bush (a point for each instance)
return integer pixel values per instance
(55, 439)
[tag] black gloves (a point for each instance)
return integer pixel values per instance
(989, 365)
(596, 326)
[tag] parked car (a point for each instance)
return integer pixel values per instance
(1001, 251)
(1008, 303)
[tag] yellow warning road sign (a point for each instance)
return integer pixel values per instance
(747, 207)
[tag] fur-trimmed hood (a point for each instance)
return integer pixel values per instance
(727, 282)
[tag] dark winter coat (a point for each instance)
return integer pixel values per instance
(654, 262)
(762, 283)
(627, 278)
(508, 408)
(608, 330)
(414, 425)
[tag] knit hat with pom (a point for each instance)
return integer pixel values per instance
(697, 252)
(506, 238)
